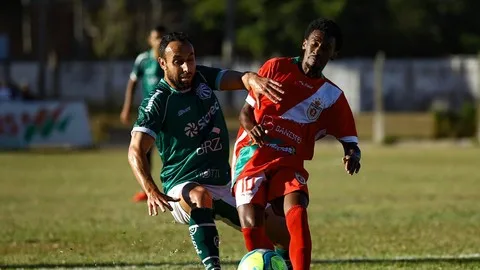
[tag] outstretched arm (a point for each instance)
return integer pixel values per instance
(234, 80)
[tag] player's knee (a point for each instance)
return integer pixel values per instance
(299, 198)
(200, 197)
(251, 215)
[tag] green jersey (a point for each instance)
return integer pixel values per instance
(147, 68)
(189, 130)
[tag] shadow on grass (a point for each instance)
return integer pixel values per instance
(401, 260)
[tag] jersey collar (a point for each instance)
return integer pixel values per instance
(297, 61)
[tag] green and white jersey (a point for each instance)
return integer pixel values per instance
(147, 68)
(189, 130)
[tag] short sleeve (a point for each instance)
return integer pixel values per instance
(151, 115)
(341, 123)
(137, 71)
(212, 76)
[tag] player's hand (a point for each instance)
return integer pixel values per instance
(125, 117)
(257, 135)
(264, 86)
(156, 199)
(352, 164)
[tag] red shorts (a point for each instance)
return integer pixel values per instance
(263, 187)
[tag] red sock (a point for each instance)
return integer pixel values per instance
(300, 240)
(256, 238)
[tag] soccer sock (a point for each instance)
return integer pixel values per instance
(300, 239)
(204, 234)
(284, 254)
(256, 238)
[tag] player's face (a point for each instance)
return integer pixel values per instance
(179, 64)
(154, 39)
(318, 50)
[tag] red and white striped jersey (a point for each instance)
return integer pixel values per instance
(310, 109)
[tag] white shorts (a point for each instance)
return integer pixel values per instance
(222, 193)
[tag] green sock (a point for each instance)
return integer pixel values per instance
(204, 234)
(284, 254)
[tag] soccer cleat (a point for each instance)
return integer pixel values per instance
(140, 196)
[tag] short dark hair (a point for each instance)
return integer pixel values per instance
(170, 37)
(329, 28)
(160, 29)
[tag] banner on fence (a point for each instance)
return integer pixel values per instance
(44, 124)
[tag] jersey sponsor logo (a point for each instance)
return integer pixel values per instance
(300, 178)
(203, 91)
(210, 173)
(203, 121)
(287, 149)
(183, 111)
(304, 84)
(269, 124)
(208, 146)
(314, 110)
(191, 130)
(288, 133)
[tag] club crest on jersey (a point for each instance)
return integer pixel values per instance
(300, 178)
(203, 91)
(314, 110)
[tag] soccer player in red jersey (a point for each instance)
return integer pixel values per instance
(276, 139)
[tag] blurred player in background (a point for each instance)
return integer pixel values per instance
(276, 138)
(148, 70)
(184, 120)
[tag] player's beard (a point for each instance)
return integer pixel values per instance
(178, 83)
(315, 68)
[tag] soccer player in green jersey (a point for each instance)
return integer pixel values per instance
(147, 69)
(184, 120)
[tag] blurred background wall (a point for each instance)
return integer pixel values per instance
(84, 49)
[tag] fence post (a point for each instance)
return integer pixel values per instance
(478, 97)
(378, 116)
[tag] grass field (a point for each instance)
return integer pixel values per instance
(73, 209)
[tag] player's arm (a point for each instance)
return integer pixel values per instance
(130, 90)
(248, 122)
(342, 126)
(144, 133)
(230, 80)
(127, 103)
(140, 144)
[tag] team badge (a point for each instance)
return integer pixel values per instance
(203, 91)
(314, 110)
(300, 179)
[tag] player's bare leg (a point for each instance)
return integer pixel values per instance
(300, 249)
(197, 201)
(277, 231)
(252, 220)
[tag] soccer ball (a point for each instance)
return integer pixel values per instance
(262, 259)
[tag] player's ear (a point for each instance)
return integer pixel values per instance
(304, 44)
(162, 62)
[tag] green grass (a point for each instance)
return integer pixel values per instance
(74, 208)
